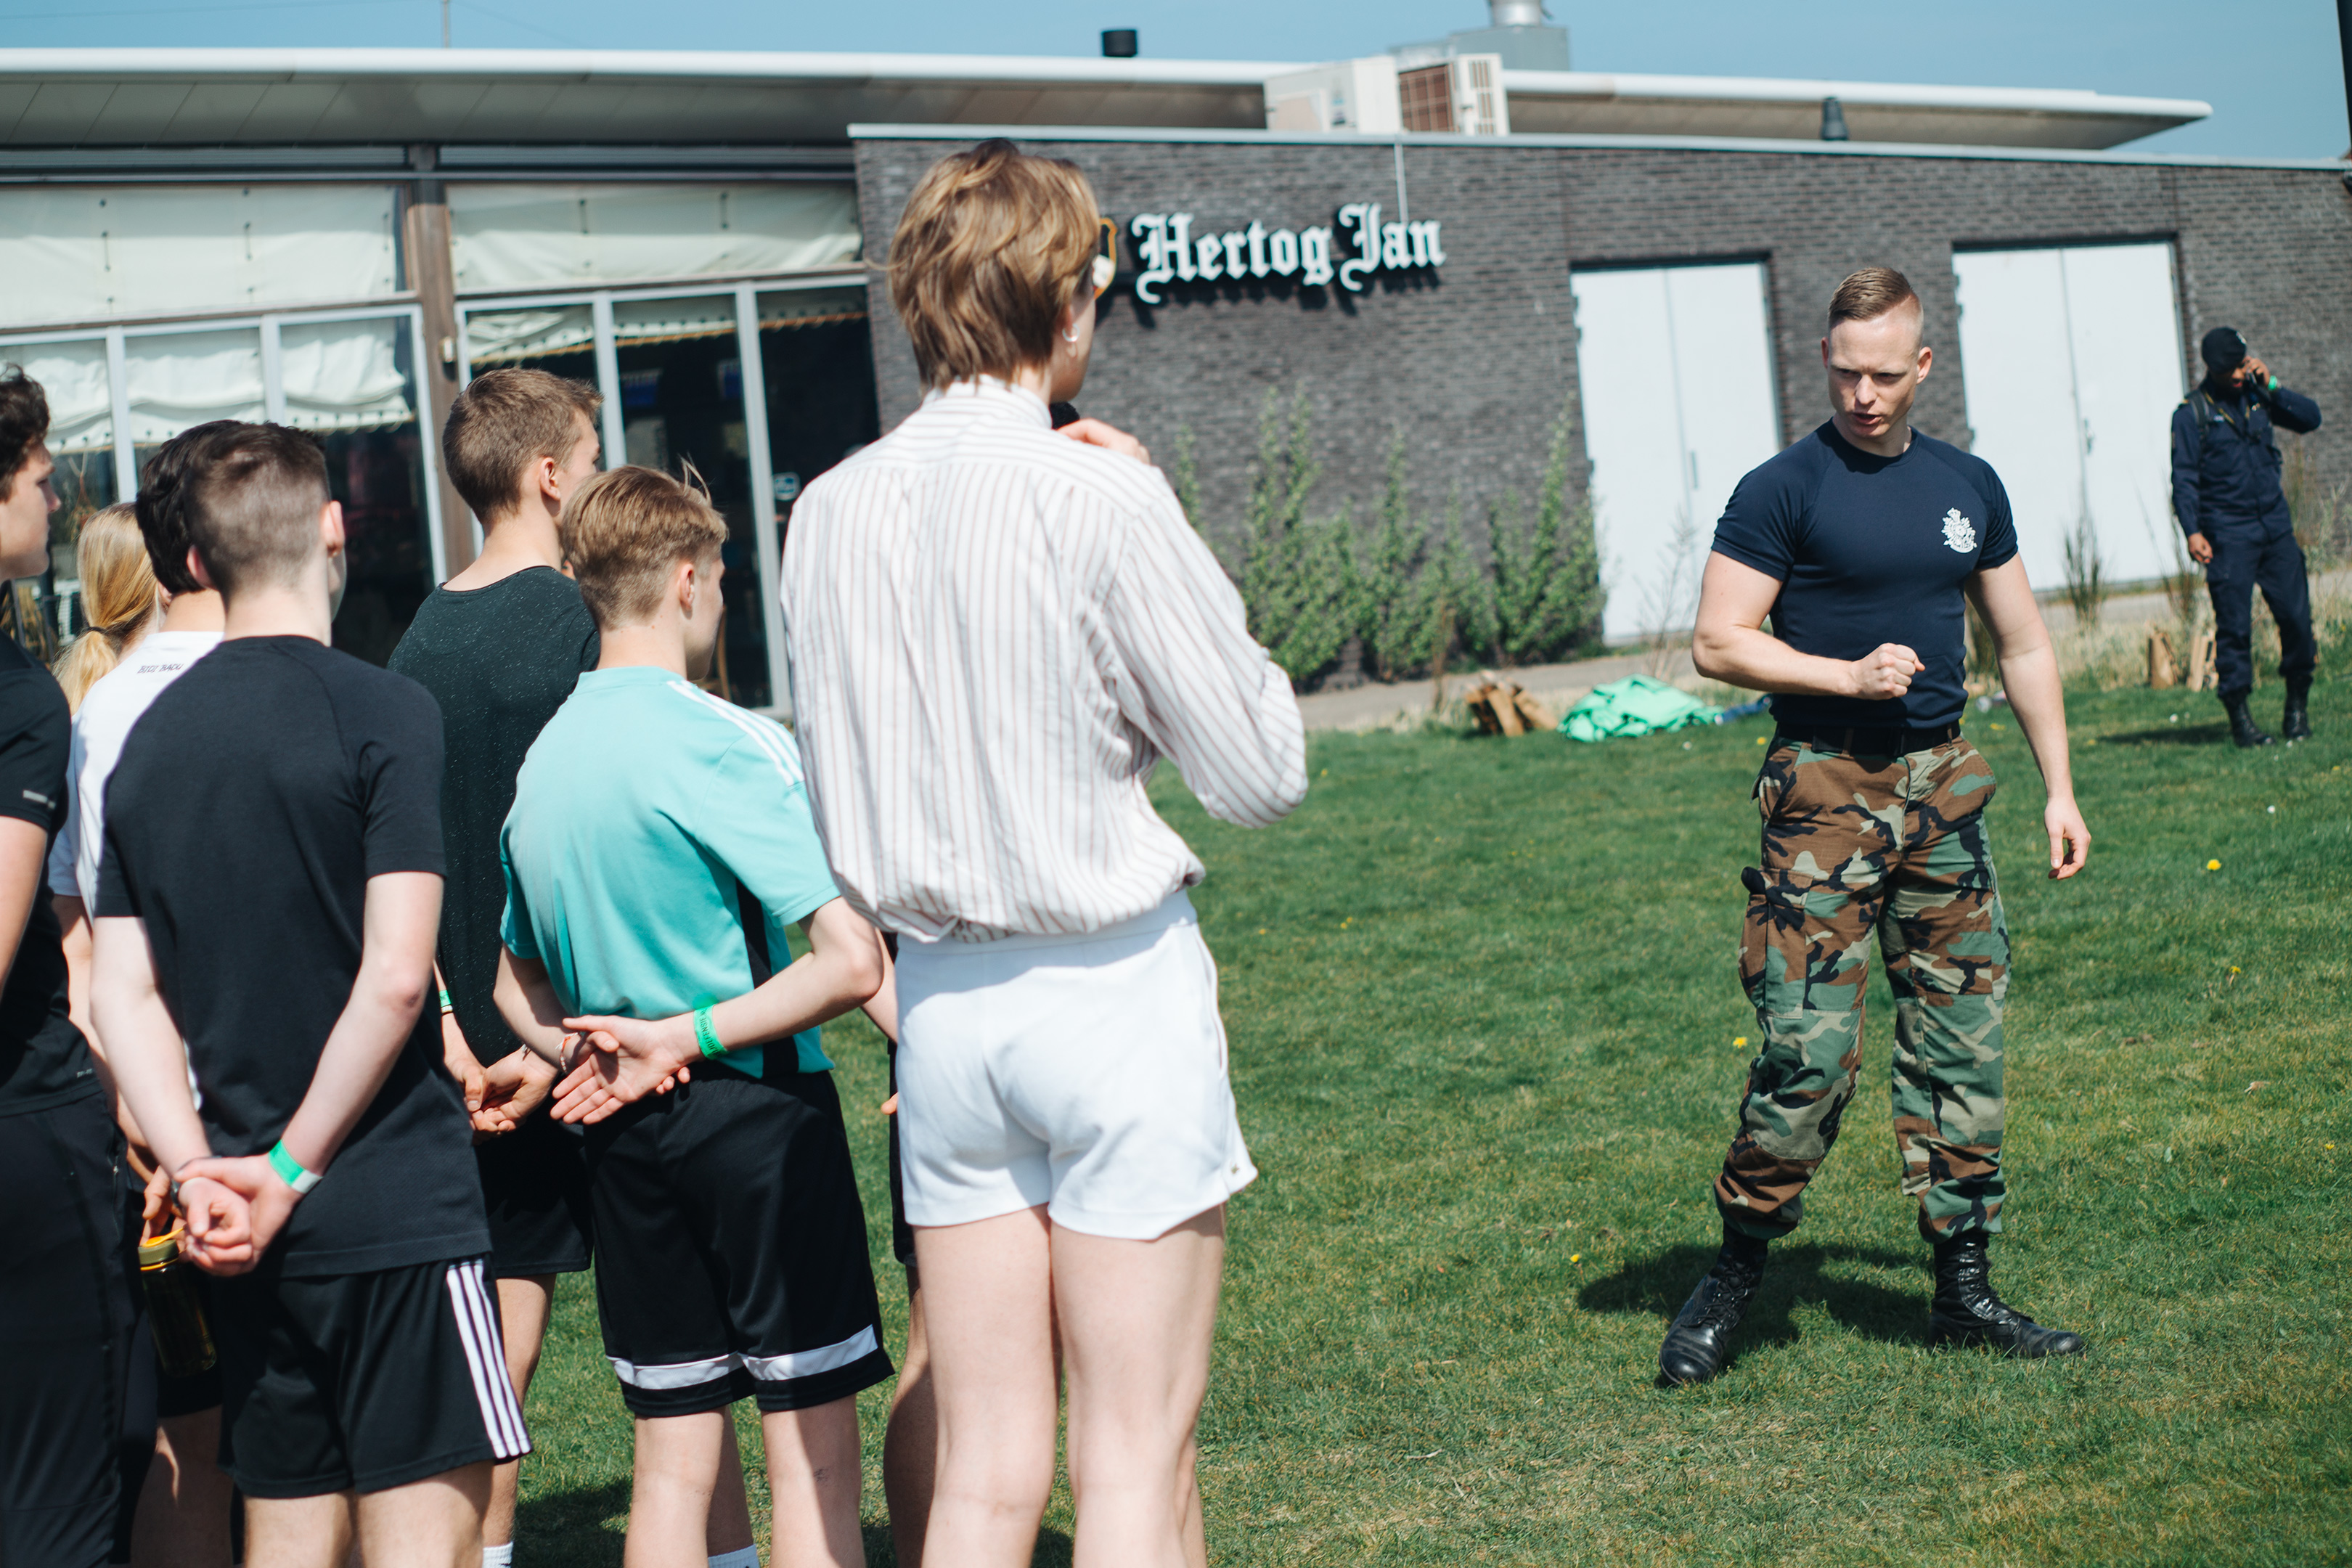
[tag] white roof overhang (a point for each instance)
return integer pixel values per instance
(291, 97)
(1591, 103)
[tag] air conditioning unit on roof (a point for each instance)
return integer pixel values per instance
(1463, 94)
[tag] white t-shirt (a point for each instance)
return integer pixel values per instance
(108, 713)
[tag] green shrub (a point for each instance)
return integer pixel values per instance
(1548, 596)
(1392, 624)
(1298, 574)
(1414, 596)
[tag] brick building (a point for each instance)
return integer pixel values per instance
(1473, 360)
(1466, 243)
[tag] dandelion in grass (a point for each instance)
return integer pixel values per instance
(2212, 865)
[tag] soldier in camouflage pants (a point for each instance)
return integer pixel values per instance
(1857, 847)
(1862, 545)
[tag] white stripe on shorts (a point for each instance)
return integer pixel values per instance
(478, 1330)
(766, 1368)
(674, 1374)
(808, 1363)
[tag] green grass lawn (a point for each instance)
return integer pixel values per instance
(1483, 1002)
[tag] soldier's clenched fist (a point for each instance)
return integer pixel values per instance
(1884, 673)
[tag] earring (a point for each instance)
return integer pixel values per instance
(1070, 336)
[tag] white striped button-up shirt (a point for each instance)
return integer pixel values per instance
(995, 634)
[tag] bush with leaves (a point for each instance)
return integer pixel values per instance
(1393, 624)
(1310, 583)
(1548, 596)
(1298, 574)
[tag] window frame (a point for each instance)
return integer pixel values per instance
(745, 289)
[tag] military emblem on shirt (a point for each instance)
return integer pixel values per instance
(1959, 532)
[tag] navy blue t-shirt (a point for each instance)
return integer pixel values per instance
(1872, 550)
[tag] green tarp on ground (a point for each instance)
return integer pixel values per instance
(1636, 705)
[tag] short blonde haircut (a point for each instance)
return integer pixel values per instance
(991, 248)
(118, 597)
(626, 531)
(1870, 293)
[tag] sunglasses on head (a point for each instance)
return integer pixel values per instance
(1106, 261)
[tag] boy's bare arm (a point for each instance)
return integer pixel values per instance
(152, 1075)
(629, 1058)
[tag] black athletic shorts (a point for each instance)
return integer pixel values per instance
(64, 1336)
(730, 1247)
(535, 1186)
(902, 1235)
(361, 1381)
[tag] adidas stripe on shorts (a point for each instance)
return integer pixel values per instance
(361, 1381)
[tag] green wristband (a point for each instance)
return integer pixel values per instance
(705, 1034)
(290, 1169)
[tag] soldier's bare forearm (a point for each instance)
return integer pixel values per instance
(2031, 678)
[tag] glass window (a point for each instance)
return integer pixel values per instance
(102, 253)
(522, 237)
(354, 386)
(558, 339)
(40, 613)
(178, 379)
(816, 362)
(681, 392)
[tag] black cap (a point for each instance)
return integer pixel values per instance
(2222, 349)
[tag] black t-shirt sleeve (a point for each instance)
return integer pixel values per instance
(393, 738)
(592, 642)
(2000, 527)
(114, 895)
(35, 735)
(1762, 522)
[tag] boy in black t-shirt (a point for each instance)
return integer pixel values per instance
(65, 1313)
(271, 889)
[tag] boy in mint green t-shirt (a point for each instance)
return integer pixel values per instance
(659, 852)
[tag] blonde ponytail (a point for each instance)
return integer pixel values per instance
(118, 596)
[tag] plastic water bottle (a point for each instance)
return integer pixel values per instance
(176, 1308)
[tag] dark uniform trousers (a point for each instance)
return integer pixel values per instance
(2263, 555)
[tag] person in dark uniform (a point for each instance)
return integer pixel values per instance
(2225, 489)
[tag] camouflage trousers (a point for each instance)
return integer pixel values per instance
(1857, 845)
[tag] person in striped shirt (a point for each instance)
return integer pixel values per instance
(997, 630)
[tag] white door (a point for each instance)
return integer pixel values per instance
(1674, 365)
(2074, 366)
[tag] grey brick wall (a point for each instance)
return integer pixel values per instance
(1475, 364)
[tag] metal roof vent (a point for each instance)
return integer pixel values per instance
(1119, 43)
(1517, 12)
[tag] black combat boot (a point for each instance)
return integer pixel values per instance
(2242, 728)
(1966, 1312)
(2294, 724)
(1701, 1336)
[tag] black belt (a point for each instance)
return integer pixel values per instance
(1870, 740)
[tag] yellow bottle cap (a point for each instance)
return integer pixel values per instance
(163, 1249)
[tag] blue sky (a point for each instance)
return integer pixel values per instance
(2272, 72)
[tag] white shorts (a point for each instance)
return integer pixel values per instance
(1085, 1073)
